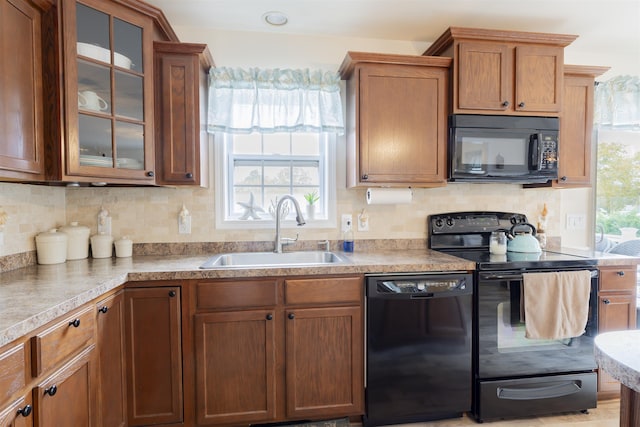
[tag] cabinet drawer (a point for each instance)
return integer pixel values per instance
(12, 371)
(236, 294)
(622, 278)
(62, 340)
(318, 290)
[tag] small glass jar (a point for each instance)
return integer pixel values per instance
(498, 243)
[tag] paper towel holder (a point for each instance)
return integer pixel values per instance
(388, 196)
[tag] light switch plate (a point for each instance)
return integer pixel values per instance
(363, 222)
(184, 225)
(576, 221)
(347, 222)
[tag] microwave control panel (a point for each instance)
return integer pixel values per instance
(549, 158)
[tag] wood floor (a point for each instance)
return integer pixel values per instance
(607, 414)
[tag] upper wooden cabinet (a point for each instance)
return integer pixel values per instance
(22, 136)
(504, 72)
(576, 126)
(101, 82)
(396, 119)
(181, 81)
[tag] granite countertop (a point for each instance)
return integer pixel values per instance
(618, 353)
(33, 296)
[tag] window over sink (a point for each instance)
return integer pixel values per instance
(254, 170)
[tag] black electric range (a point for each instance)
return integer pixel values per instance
(514, 376)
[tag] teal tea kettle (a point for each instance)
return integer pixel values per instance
(523, 241)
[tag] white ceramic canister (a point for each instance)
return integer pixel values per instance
(51, 247)
(101, 245)
(78, 240)
(124, 247)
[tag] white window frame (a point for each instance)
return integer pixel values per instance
(223, 188)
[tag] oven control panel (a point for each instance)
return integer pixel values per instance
(473, 222)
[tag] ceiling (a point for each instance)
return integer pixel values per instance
(600, 24)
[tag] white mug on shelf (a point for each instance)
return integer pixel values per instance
(91, 101)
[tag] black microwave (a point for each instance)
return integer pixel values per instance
(510, 149)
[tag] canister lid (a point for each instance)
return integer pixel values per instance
(51, 236)
(123, 241)
(75, 229)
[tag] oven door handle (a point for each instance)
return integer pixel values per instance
(502, 276)
(565, 388)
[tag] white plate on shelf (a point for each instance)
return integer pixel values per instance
(104, 55)
(95, 52)
(88, 160)
(121, 61)
(124, 162)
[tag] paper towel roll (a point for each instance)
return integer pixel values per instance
(388, 196)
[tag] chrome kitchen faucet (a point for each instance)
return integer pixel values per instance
(299, 220)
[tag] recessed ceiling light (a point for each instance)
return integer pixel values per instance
(275, 18)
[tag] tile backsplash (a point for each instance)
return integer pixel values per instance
(150, 215)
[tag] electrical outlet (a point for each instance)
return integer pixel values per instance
(347, 222)
(576, 221)
(184, 225)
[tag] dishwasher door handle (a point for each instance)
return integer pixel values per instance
(426, 295)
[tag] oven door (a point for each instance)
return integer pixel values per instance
(502, 349)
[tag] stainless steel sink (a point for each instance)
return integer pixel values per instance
(271, 259)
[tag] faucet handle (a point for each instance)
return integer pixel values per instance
(326, 244)
(289, 240)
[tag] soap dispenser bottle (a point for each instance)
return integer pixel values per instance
(347, 244)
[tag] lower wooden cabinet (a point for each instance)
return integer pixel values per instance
(112, 410)
(67, 397)
(256, 350)
(323, 362)
(153, 355)
(616, 311)
(235, 366)
(294, 351)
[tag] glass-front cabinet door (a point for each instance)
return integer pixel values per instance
(109, 74)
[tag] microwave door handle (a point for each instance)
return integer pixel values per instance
(535, 152)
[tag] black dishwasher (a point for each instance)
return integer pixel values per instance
(418, 349)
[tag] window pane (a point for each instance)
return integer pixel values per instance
(92, 27)
(130, 145)
(247, 144)
(306, 175)
(264, 166)
(275, 193)
(305, 144)
(129, 95)
(94, 136)
(128, 45)
(277, 175)
(243, 195)
(277, 143)
(247, 175)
